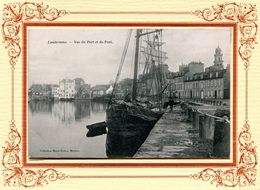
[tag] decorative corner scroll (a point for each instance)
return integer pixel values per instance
(14, 14)
(245, 16)
(14, 173)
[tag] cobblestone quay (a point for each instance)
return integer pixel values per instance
(174, 137)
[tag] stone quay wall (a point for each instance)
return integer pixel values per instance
(213, 124)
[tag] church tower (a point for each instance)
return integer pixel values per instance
(218, 61)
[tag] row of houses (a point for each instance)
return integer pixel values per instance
(192, 82)
(68, 89)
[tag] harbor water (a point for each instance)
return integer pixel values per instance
(58, 129)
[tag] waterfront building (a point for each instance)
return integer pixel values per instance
(192, 82)
(67, 89)
(39, 91)
(207, 85)
(214, 83)
(176, 84)
(55, 91)
(99, 90)
(176, 80)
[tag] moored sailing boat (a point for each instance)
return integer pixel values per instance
(129, 122)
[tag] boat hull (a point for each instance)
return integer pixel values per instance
(96, 129)
(128, 127)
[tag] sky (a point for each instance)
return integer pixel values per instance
(97, 63)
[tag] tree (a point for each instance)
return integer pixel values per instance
(125, 85)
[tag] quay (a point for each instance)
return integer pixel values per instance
(188, 131)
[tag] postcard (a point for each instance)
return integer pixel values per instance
(104, 92)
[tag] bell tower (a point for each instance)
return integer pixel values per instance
(218, 61)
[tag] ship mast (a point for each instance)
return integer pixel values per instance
(138, 35)
(138, 32)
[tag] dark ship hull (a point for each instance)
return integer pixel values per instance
(128, 127)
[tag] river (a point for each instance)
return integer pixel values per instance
(58, 129)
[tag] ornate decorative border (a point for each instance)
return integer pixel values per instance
(16, 13)
(245, 16)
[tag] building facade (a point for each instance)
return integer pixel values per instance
(206, 85)
(176, 80)
(55, 91)
(99, 90)
(66, 89)
(39, 92)
(192, 82)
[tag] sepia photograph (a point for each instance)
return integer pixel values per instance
(130, 92)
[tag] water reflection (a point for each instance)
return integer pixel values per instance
(67, 112)
(98, 107)
(40, 106)
(58, 129)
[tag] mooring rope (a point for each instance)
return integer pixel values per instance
(120, 65)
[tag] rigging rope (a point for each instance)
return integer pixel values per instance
(120, 65)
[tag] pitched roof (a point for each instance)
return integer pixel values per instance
(100, 87)
(206, 75)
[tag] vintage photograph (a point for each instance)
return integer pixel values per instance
(129, 92)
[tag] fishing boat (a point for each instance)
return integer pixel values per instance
(129, 121)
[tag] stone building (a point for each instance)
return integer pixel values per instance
(214, 83)
(99, 90)
(192, 82)
(67, 89)
(207, 85)
(176, 84)
(55, 91)
(39, 92)
(176, 80)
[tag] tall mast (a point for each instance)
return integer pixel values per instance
(138, 32)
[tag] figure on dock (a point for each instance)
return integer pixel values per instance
(171, 102)
(127, 98)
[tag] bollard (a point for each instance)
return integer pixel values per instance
(221, 143)
(196, 120)
(201, 120)
(210, 128)
(206, 127)
(189, 111)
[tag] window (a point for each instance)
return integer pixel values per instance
(220, 94)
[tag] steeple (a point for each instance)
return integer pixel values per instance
(218, 57)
